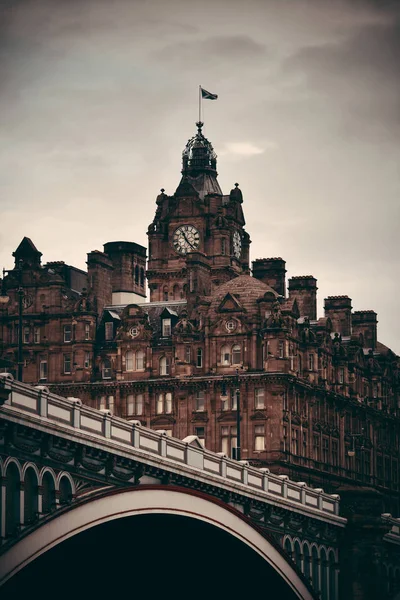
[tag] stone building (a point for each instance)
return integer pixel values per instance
(319, 397)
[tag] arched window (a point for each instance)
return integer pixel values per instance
(288, 547)
(12, 500)
(30, 496)
(136, 274)
(106, 368)
(236, 354)
(139, 360)
(225, 355)
(164, 365)
(48, 493)
(315, 569)
(332, 575)
(65, 491)
(165, 294)
(129, 361)
(176, 292)
(297, 555)
(324, 574)
(307, 562)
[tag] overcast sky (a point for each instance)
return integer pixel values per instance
(98, 98)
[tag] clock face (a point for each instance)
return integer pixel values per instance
(237, 244)
(186, 239)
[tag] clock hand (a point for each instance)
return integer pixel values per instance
(183, 233)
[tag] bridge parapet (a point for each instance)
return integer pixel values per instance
(47, 411)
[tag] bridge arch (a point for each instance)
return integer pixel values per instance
(150, 500)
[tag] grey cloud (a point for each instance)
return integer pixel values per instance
(213, 50)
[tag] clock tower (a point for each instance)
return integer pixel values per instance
(197, 239)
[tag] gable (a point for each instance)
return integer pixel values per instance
(230, 303)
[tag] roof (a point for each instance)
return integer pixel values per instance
(246, 289)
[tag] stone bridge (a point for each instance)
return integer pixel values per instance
(84, 491)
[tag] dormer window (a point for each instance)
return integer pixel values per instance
(109, 331)
(166, 327)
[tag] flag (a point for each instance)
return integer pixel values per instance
(208, 95)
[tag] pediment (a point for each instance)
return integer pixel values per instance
(259, 415)
(162, 420)
(230, 303)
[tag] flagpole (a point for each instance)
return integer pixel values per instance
(199, 103)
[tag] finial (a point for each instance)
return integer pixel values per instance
(236, 185)
(162, 190)
(199, 125)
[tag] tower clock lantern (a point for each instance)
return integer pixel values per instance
(197, 225)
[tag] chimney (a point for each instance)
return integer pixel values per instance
(303, 288)
(338, 309)
(272, 272)
(100, 278)
(129, 274)
(365, 322)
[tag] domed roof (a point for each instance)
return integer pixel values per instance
(246, 289)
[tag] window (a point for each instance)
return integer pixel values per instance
(26, 335)
(234, 397)
(109, 331)
(164, 403)
(141, 277)
(374, 390)
(67, 333)
(188, 353)
(281, 349)
(164, 365)
(304, 448)
(316, 447)
(137, 274)
(43, 369)
(367, 462)
(107, 403)
(295, 441)
(259, 394)
(341, 374)
(36, 335)
(223, 246)
(285, 446)
(134, 404)
(228, 439)
(200, 405)
(140, 364)
(166, 327)
(67, 364)
(296, 402)
(225, 355)
(106, 369)
(236, 355)
(199, 361)
(311, 362)
(259, 438)
(200, 432)
(165, 294)
(87, 361)
(335, 453)
(129, 361)
(87, 331)
(325, 450)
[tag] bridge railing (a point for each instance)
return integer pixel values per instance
(71, 413)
